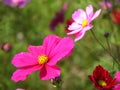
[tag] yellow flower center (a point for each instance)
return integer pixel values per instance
(84, 23)
(42, 59)
(102, 83)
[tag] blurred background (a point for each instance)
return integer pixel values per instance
(21, 27)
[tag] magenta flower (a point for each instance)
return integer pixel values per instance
(16, 3)
(82, 21)
(42, 58)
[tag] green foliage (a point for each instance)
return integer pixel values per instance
(30, 25)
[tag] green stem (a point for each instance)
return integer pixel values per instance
(115, 38)
(108, 44)
(109, 49)
(104, 48)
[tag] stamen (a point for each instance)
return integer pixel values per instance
(42, 59)
(84, 23)
(102, 83)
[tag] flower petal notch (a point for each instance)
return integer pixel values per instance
(42, 58)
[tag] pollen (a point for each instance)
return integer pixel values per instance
(42, 59)
(102, 83)
(84, 23)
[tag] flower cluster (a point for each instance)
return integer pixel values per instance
(44, 58)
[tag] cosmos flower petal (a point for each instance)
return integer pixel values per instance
(22, 74)
(102, 79)
(49, 72)
(89, 11)
(97, 13)
(50, 42)
(79, 35)
(73, 32)
(74, 26)
(91, 78)
(88, 27)
(117, 76)
(63, 49)
(24, 59)
(79, 15)
(116, 87)
(36, 50)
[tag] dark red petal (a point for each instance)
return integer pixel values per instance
(100, 73)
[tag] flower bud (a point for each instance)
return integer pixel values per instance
(106, 34)
(6, 47)
(56, 81)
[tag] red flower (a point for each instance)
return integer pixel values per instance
(102, 79)
(69, 22)
(59, 17)
(116, 16)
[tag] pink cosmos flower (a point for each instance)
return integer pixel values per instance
(15, 3)
(82, 21)
(42, 58)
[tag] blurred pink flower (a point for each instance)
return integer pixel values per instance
(20, 89)
(43, 58)
(106, 4)
(82, 21)
(118, 1)
(16, 3)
